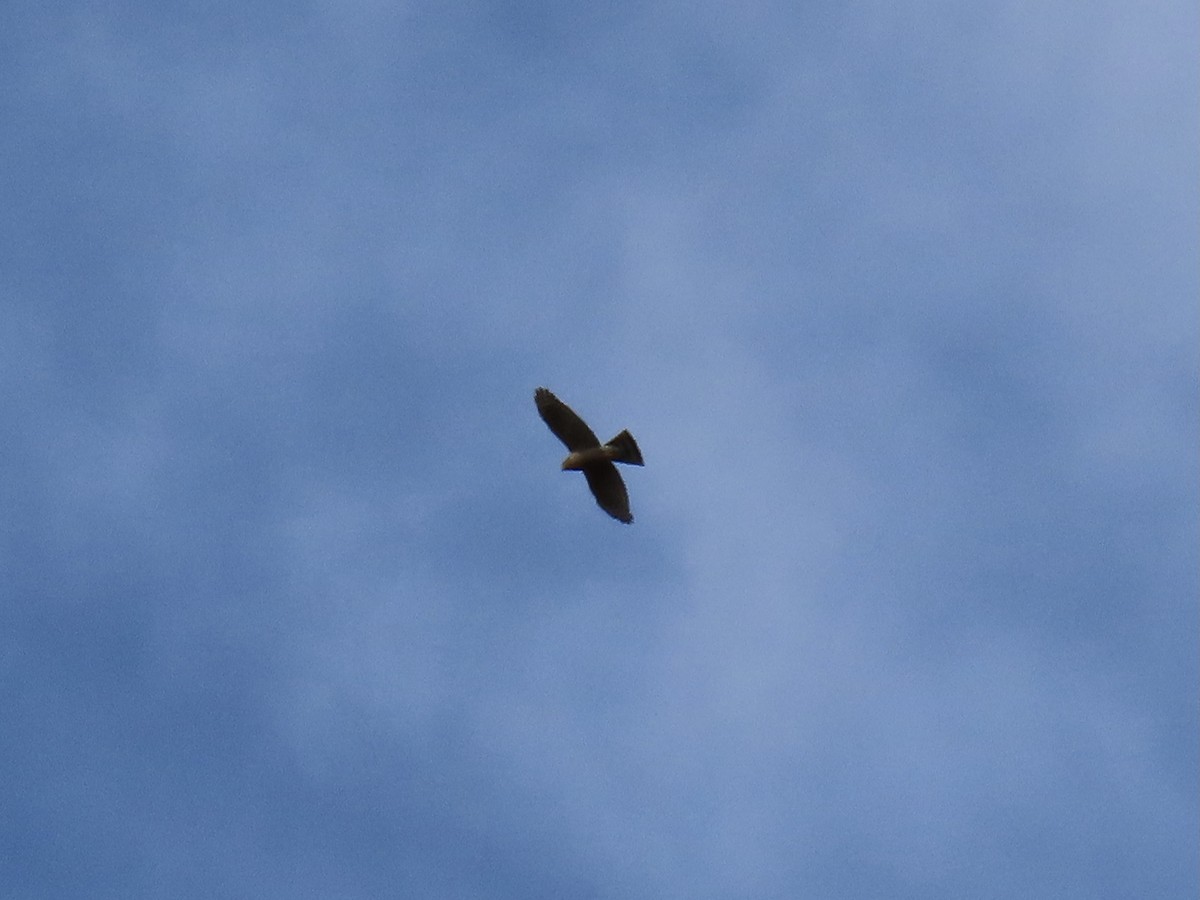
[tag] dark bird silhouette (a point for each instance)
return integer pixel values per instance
(591, 457)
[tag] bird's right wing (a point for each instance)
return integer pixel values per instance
(566, 425)
(609, 490)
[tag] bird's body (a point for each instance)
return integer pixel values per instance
(620, 449)
(591, 457)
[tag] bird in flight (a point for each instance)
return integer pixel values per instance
(591, 457)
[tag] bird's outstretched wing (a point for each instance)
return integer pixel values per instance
(567, 427)
(609, 490)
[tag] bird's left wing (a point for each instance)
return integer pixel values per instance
(566, 425)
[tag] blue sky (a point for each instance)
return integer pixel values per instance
(899, 300)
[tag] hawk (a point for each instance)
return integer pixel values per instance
(591, 457)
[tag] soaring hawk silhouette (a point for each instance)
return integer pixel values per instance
(591, 457)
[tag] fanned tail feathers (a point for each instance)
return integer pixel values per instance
(627, 449)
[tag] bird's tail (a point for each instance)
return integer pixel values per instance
(627, 449)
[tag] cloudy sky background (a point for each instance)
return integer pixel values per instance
(898, 300)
